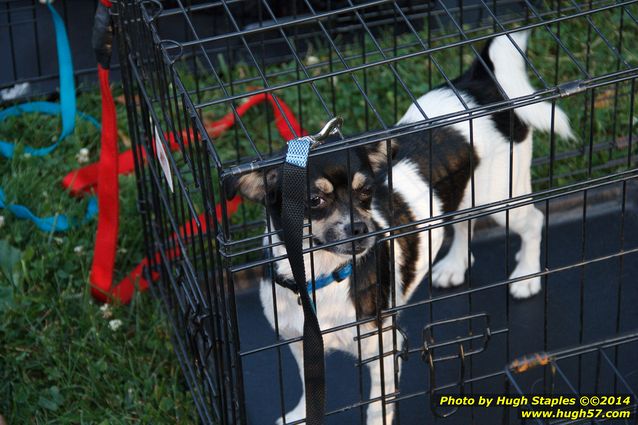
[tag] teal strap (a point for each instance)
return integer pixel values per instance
(7, 149)
(67, 94)
(66, 108)
(57, 223)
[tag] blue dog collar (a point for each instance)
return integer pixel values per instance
(322, 281)
(325, 280)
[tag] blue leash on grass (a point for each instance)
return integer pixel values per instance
(68, 110)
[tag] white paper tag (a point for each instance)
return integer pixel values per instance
(161, 156)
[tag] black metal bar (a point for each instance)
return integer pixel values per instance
(354, 42)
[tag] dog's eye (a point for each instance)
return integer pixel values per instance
(316, 201)
(365, 192)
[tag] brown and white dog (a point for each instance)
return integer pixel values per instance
(350, 197)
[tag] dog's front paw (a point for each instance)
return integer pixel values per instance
(375, 415)
(450, 271)
(296, 414)
(525, 288)
(289, 420)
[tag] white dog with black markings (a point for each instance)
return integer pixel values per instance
(350, 197)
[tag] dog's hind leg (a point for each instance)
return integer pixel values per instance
(380, 412)
(527, 222)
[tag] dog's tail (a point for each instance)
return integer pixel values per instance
(511, 73)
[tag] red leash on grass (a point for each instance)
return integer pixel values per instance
(103, 175)
(107, 195)
(84, 179)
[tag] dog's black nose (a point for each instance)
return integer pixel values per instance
(356, 229)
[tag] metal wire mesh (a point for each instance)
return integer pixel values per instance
(367, 62)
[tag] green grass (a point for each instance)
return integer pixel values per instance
(60, 362)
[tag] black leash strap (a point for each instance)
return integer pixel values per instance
(294, 199)
(293, 208)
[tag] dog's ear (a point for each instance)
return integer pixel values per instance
(382, 153)
(254, 185)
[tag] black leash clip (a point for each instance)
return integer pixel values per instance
(102, 38)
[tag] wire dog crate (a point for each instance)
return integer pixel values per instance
(368, 62)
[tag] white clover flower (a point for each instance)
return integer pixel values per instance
(78, 249)
(106, 311)
(82, 156)
(312, 60)
(1, 220)
(27, 155)
(115, 324)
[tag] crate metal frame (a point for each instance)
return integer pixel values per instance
(172, 84)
